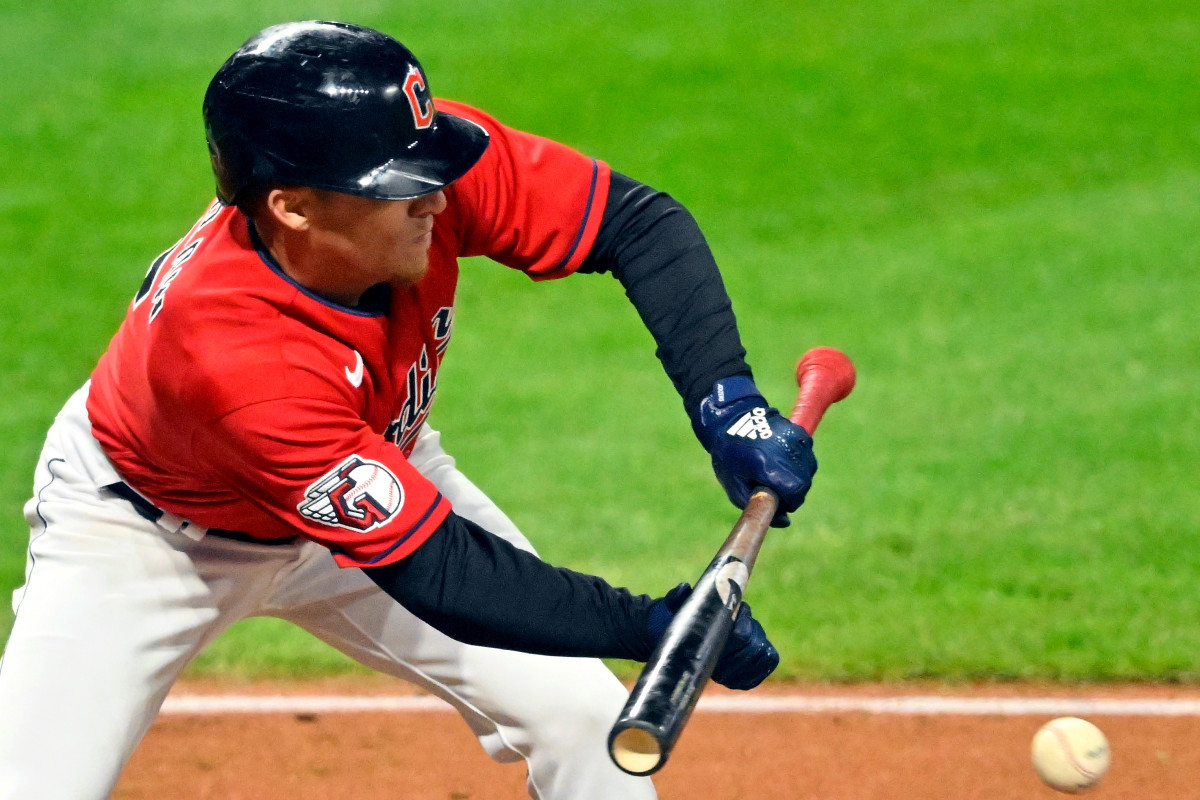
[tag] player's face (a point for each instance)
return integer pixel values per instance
(376, 240)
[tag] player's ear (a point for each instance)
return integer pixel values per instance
(291, 206)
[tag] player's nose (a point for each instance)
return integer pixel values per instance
(432, 203)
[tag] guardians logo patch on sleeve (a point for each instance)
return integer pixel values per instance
(359, 494)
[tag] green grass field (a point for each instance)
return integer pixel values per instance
(994, 208)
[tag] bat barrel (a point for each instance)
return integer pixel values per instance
(665, 694)
(637, 746)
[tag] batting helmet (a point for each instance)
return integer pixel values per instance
(332, 106)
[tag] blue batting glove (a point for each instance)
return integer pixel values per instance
(752, 444)
(748, 657)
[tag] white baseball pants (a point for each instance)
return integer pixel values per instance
(114, 606)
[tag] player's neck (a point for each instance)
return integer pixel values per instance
(300, 262)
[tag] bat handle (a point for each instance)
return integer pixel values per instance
(825, 375)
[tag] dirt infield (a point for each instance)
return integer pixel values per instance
(766, 755)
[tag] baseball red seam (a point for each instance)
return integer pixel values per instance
(1066, 746)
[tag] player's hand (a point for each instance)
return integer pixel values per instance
(752, 444)
(748, 657)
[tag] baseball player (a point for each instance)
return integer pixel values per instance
(255, 439)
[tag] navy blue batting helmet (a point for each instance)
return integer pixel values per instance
(332, 106)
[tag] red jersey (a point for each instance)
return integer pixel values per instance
(233, 397)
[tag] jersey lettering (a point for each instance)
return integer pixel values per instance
(420, 383)
(151, 274)
(209, 215)
(443, 320)
(176, 267)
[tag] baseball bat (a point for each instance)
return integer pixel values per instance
(671, 682)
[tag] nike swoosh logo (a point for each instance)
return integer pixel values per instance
(356, 376)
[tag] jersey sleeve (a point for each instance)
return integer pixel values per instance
(530, 203)
(316, 469)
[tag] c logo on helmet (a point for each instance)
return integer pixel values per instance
(358, 494)
(418, 98)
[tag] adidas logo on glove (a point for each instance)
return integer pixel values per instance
(752, 425)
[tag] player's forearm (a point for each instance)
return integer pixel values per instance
(479, 589)
(654, 247)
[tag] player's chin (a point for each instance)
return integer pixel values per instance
(412, 268)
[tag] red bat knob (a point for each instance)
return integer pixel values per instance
(825, 375)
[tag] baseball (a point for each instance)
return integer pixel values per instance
(1070, 754)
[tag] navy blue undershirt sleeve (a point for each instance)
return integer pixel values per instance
(651, 244)
(479, 589)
